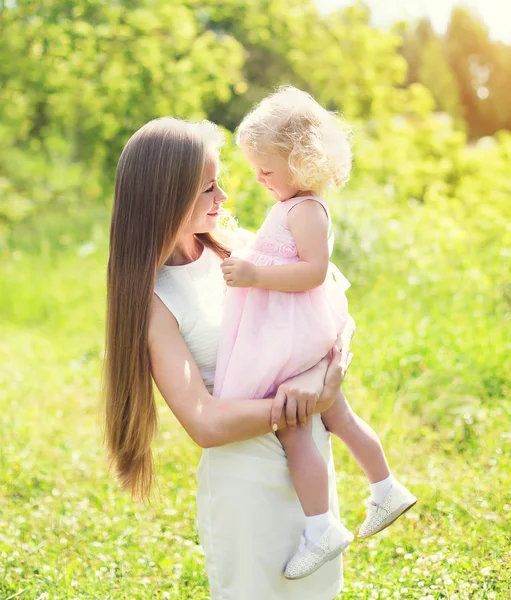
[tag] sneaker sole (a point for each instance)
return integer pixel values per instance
(391, 518)
(327, 558)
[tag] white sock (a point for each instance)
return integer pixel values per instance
(380, 489)
(316, 526)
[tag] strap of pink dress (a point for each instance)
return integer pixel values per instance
(292, 202)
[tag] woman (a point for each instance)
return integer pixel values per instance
(165, 292)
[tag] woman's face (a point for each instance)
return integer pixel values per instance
(207, 206)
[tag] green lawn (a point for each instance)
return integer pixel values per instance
(431, 296)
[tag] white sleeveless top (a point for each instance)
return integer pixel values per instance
(194, 295)
(248, 515)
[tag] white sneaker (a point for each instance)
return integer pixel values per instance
(380, 516)
(310, 556)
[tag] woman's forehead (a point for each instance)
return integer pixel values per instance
(212, 164)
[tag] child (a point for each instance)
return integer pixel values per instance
(286, 306)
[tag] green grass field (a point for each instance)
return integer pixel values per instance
(431, 294)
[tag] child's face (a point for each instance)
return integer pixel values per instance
(273, 172)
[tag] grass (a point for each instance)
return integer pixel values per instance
(432, 299)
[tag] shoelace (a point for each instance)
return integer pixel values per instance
(307, 545)
(372, 506)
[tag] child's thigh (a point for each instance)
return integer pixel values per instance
(299, 437)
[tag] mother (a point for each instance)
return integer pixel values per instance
(165, 292)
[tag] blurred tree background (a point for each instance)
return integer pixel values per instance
(423, 231)
(78, 78)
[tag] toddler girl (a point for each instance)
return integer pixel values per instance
(286, 306)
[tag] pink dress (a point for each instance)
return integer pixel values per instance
(268, 336)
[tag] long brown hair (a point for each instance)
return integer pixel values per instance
(158, 180)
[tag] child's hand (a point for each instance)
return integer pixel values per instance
(239, 273)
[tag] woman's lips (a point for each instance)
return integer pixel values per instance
(217, 212)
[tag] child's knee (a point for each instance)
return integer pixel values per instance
(341, 422)
(290, 438)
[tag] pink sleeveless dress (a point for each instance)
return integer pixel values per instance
(268, 336)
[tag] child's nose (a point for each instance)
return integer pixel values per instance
(259, 177)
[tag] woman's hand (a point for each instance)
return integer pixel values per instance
(305, 394)
(337, 369)
(296, 401)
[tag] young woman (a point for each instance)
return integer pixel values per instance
(165, 297)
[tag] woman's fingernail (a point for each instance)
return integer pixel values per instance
(274, 426)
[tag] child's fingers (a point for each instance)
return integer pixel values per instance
(229, 262)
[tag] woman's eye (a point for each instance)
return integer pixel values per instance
(210, 189)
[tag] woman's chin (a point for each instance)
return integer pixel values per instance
(210, 224)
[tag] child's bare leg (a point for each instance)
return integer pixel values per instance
(325, 537)
(307, 468)
(389, 498)
(361, 440)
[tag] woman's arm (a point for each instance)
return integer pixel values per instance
(308, 224)
(211, 421)
(313, 380)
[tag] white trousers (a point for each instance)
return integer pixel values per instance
(250, 521)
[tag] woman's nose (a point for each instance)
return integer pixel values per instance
(221, 196)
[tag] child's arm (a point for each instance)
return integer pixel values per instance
(308, 224)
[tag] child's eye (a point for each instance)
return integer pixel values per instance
(266, 172)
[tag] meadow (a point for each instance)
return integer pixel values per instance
(431, 295)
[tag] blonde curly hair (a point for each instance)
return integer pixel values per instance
(315, 142)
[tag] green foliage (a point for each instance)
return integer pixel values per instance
(349, 65)
(467, 73)
(436, 75)
(430, 294)
(81, 78)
